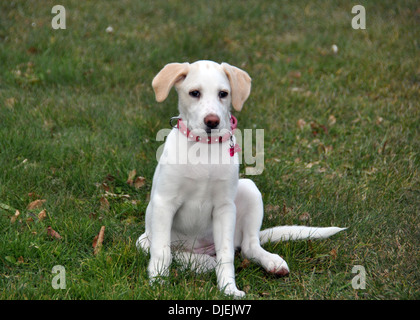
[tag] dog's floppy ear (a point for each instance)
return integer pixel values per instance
(167, 77)
(240, 84)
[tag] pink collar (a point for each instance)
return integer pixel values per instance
(209, 139)
(233, 148)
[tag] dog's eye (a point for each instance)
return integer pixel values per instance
(195, 93)
(223, 94)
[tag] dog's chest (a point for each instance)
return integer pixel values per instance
(197, 184)
(193, 218)
(199, 197)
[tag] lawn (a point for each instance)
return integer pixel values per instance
(78, 125)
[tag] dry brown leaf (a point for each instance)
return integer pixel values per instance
(42, 215)
(33, 195)
(331, 120)
(245, 263)
(116, 195)
(295, 74)
(139, 182)
(10, 102)
(305, 216)
(131, 177)
(105, 186)
(272, 208)
(301, 123)
(53, 234)
(104, 204)
(93, 215)
(311, 164)
(333, 254)
(36, 204)
(15, 216)
(97, 241)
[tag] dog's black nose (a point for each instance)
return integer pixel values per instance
(211, 121)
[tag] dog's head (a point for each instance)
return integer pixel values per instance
(206, 90)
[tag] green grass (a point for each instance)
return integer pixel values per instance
(77, 109)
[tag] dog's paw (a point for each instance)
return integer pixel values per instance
(157, 278)
(275, 264)
(234, 292)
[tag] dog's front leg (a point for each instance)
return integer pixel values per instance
(160, 245)
(224, 218)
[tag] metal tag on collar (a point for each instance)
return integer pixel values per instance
(172, 120)
(231, 146)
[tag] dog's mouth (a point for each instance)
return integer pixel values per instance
(208, 129)
(205, 133)
(211, 131)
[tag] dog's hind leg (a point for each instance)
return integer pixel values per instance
(249, 216)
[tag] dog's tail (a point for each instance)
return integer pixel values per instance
(296, 233)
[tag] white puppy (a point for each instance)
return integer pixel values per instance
(199, 207)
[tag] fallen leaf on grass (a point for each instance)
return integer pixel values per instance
(115, 195)
(10, 102)
(131, 177)
(331, 120)
(318, 128)
(333, 254)
(104, 204)
(53, 234)
(297, 89)
(36, 204)
(93, 215)
(136, 182)
(105, 186)
(311, 164)
(324, 149)
(245, 263)
(295, 74)
(139, 182)
(42, 215)
(305, 216)
(32, 50)
(15, 216)
(33, 195)
(301, 123)
(97, 241)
